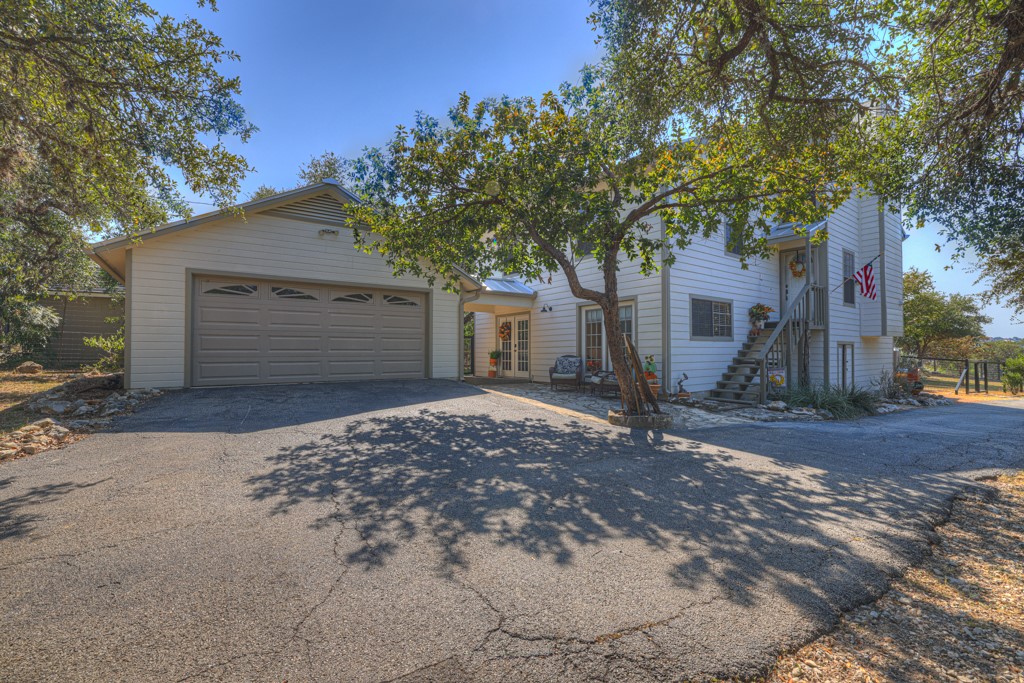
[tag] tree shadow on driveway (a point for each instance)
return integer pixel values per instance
(557, 492)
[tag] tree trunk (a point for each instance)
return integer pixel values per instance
(617, 354)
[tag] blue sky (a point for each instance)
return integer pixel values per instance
(338, 76)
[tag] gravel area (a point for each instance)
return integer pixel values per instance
(957, 617)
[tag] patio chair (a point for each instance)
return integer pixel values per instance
(604, 383)
(566, 372)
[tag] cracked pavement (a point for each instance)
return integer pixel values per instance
(429, 531)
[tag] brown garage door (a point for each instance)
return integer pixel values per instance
(247, 331)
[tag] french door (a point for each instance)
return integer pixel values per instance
(595, 343)
(514, 343)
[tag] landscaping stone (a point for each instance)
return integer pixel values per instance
(29, 368)
(779, 406)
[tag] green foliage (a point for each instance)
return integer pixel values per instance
(930, 316)
(1003, 269)
(948, 71)
(842, 403)
(958, 138)
(112, 346)
(1000, 351)
(26, 327)
(100, 102)
(518, 185)
(264, 191)
(495, 354)
(327, 166)
(1013, 375)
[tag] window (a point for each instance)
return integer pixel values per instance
(583, 248)
(230, 290)
(710, 319)
(845, 359)
(395, 300)
(849, 291)
(595, 345)
(733, 239)
(355, 298)
(291, 293)
(593, 339)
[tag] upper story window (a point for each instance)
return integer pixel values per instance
(710, 319)
(849, 285)
(733, 238)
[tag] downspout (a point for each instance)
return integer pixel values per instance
(666, 317)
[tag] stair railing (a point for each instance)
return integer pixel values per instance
(795, 317)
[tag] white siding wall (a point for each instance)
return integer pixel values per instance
(485, 340)
(705, 269)
(557, 332)
(855, 227)
(263, 246)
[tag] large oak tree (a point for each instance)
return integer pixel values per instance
(531, 187)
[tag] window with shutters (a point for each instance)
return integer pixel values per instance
(710, 319)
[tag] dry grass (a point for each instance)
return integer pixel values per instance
(958, 617)
(944, 386)
(15, 389)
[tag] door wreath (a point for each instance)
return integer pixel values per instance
(505, 331)
(797, 267)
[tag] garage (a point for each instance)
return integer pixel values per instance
(250, 331)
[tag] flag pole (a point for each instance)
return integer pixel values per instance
(851, 277)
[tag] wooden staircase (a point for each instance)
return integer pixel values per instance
(739, 382)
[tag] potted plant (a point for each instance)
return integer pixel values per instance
(758, 314)
(494, 355)
(651, 374)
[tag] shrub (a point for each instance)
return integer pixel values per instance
(842, 403)
(24, 327)
(892, 385)
(112, 347)
(1013, 375)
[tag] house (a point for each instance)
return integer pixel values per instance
(89, 313)
(277, 293)
(693, 316)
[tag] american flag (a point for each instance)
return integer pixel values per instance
(865, 277)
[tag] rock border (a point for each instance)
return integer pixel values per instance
(69, 415)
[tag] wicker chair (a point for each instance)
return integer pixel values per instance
(566, 372)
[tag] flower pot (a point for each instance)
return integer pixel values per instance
(494, 362)
(492, 373)
(656, 388)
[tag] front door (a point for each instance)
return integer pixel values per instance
(795, 268)
(514, 342)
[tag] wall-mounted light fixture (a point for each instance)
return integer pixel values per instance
(328, 231)
(546, 309)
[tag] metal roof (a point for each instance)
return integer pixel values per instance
(787, 231)
(507, 286)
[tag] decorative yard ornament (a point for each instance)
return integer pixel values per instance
(679, 384)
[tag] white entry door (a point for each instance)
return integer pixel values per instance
(514, 342)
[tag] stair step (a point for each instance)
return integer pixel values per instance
(736, 401)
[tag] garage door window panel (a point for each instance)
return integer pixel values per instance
(353, 298)
(228, 289)
(294, 294)
(396, 300)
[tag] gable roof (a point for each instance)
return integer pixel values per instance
(321, 202)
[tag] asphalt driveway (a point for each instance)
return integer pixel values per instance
(427, 531)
